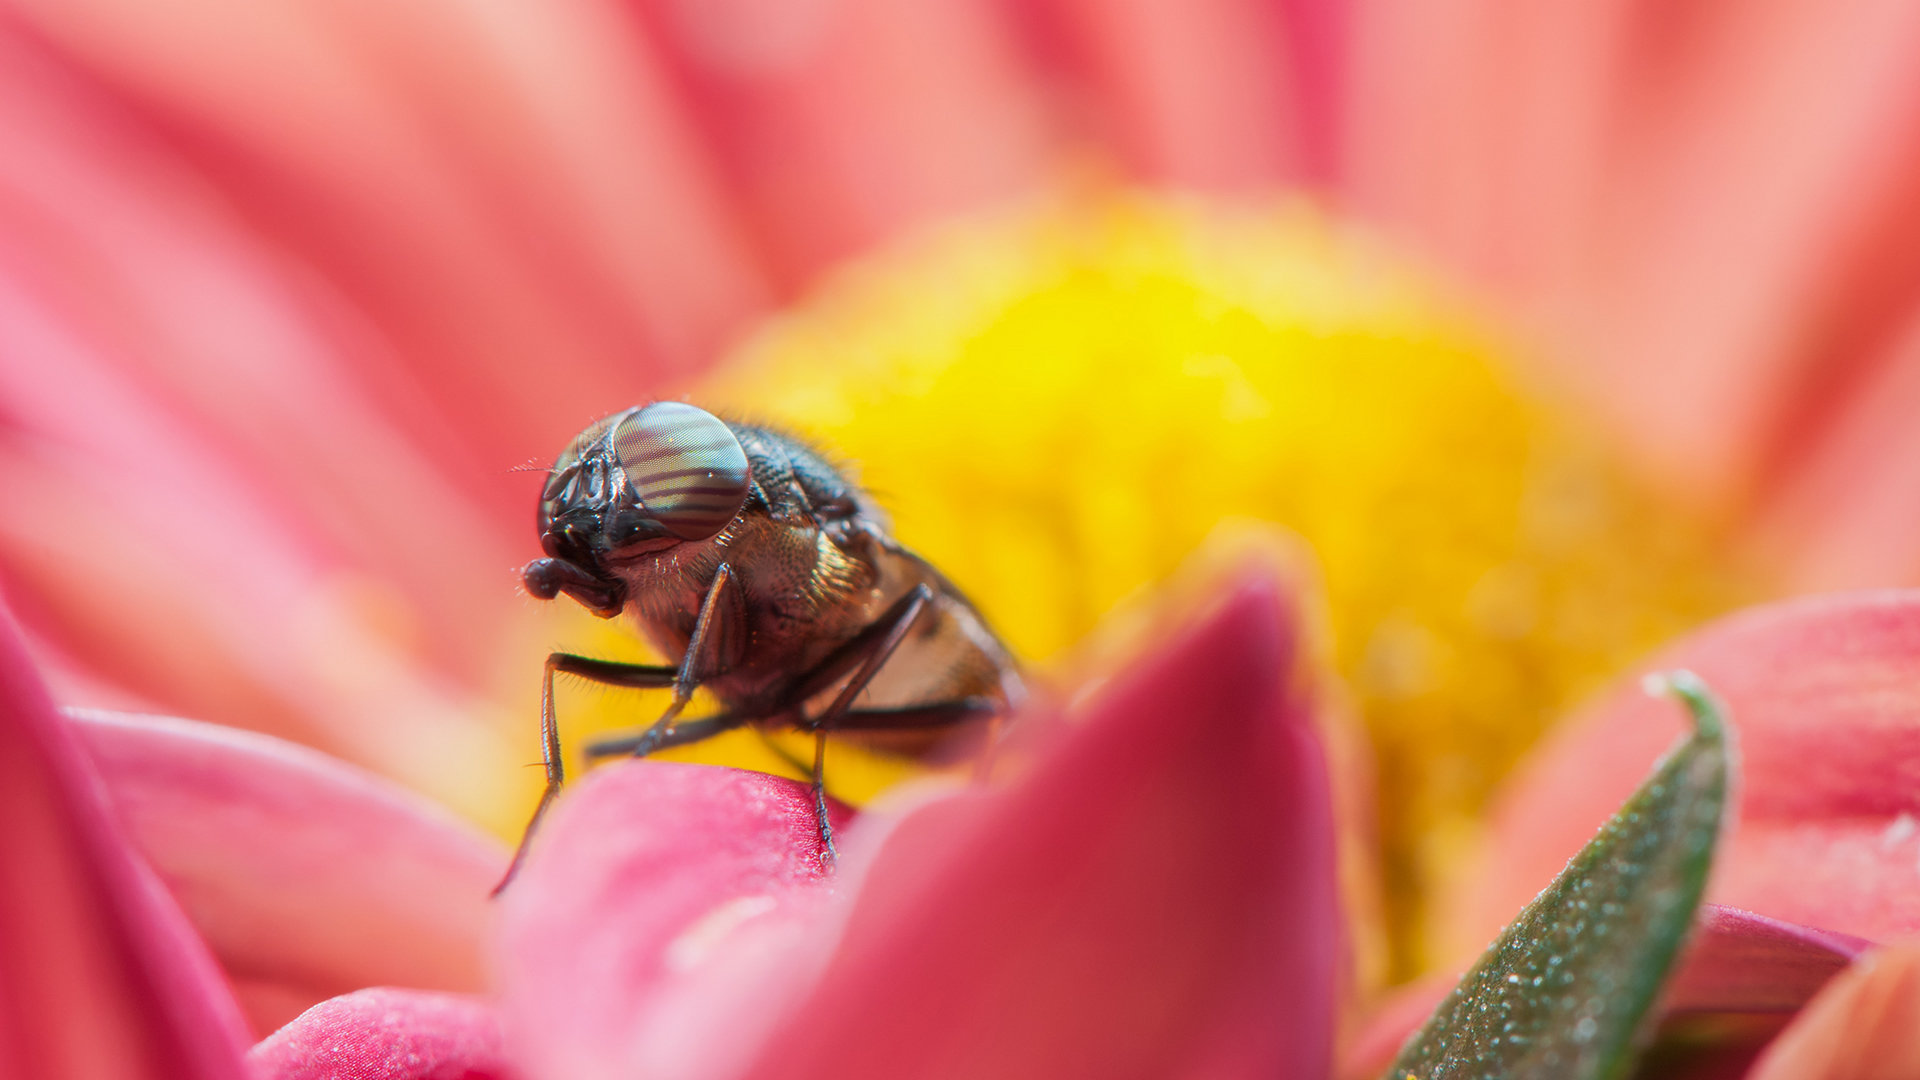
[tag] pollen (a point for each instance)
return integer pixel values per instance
(1058, 405)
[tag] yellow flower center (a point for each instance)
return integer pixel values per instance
(1058, 406)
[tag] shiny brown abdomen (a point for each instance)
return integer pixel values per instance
(802, 595)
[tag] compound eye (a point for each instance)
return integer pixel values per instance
(685, 467)
(564, 479)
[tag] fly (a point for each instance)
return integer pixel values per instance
(771, 576)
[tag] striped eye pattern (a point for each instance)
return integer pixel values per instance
(684, 465)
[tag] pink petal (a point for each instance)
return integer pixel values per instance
(1154, 897)
(182, 380)
(1823, 693)
(387, 1034)
(635, 870)
(100, 975)
(1845, 513)
(121, 250)
(150, 617)
(1201, 94)
(140, 308)
(1742, 962)
(1619, 170)
(1737, 962)
(487, 185)
(308, 877)
(1482, 133)
(1738, 281)
(1864, 1026)
(839, 122)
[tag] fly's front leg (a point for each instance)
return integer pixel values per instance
(605, 672)
(716, 638)
(711, 649)
(717, 635)
(871, 650)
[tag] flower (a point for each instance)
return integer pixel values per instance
(460, 231)
(103, 942)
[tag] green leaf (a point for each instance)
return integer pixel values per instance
(1565, 991)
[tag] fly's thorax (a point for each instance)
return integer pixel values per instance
(795, 570)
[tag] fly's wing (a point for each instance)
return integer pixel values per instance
(949, 656)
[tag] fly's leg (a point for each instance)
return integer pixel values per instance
(829, 856)
(936, 714)
(856, 650)
(606, 672)
(714, 632)
(646, 741)
(714, 635)
(908, 717)
(871, 650)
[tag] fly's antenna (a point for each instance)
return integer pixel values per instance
(530, 465)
